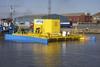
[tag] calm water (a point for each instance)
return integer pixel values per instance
(62, 54)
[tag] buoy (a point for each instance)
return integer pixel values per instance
(92, 38)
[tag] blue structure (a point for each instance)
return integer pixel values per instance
(16, 38)
(7, 26)
(1, 28)
(9, 30)
(92, 38)
(66, 25)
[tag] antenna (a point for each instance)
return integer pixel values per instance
(49, 7)
(11, 11)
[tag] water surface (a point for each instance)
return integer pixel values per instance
(56, 54)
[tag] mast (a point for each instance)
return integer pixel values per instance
(49, 7)
(11, 11)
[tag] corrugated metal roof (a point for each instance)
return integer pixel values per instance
(74, 14)
(97, 14)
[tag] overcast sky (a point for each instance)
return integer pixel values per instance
(25, 7)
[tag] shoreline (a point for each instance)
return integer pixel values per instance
(81, 31)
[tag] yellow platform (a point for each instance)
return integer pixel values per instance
(54, 37)
(46, 30)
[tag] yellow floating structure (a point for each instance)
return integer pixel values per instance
(45, 30)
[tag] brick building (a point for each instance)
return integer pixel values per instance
(79, 17)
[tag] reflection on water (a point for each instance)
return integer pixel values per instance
(47, 55)
(56, 54)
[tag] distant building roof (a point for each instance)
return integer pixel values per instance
(75, 14)
(97, 14)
